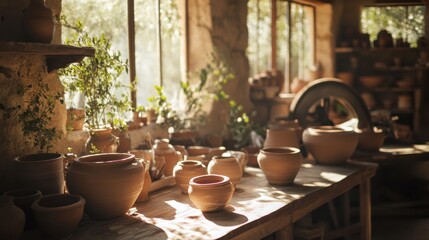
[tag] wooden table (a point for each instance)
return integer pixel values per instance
(257, 208)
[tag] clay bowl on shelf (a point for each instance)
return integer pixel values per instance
(58, 215)
(371, 81)
(370, 140)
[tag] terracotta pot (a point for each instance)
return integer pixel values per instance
(216, 151)
(58, 215)
(75, 119)
(38, 22)
(346, 77)
(198, 150)
(286, 137)
(184, 137)
(182, 150)
(371, 81)
(109, 182)
(288, 124)
(163, 148)
(227, 166)
(43, 171)
(185, 170)
(23, 198)
(12, 219)
(147, 182)
(370, 140)
(240, 156)
(280, 165)
(251, 155)
(101, 141)
(124, 138)
(330, 145)
(210, 192)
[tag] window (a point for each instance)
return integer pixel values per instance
(405, 22)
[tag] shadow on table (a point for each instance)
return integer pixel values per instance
(226, 217)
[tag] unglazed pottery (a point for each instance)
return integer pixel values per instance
(227, 166)
(12, 219)
(251, 155)
(147, 181)
(240, 156)
(109, 182)
(285, 123)
(370, 140)
(280, 165)
(38, 22)
(330, 145)
(42, 171)
(163, 148)
(101, 141)
(210, 192)
(23, 198)
(198, 150)
(185, 170)
(58, 215)
(284, 137)
(124, 138)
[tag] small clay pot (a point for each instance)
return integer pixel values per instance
(12, 219)
(284, 137)
(124, 138)
(280, 165)
(210, 192)
(163, 148)
(240, 156)
(251, 155)
(23, 198)
(370, 140)
(198, 150)
(185, 170)
(101, 141)
(58, 215)
(227, 166)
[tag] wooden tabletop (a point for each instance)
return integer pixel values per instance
(256, 209)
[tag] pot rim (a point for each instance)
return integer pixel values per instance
(79, 201)
(280, 150)
(38, 157)
(209, 180)
(325, 129)
(112, 159)
(22, 193)
(189, 163)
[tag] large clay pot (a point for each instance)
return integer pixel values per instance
(109, 182)
(227, 166)
(43, 171)
(12, 219)
(23, 198)
(330, 145)
(285, 137)
(370, 140)
(280, 165)
(163, 148)
(210, 192)
(185, 170)
(101, 141)
(38, 22)
(58, 215)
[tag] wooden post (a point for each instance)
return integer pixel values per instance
(132, 51)
(365, 209)
(273, 35)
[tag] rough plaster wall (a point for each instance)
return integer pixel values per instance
(324, 39)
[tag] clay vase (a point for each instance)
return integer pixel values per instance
(101, 141)
(227, 166)
(210, 192)
(163, 148)
(185, 170)
(147, 182)
(58, 215)
(23, 198)
(280, 165)
(124, 138)
(330, 145)
(12, 219)
(286, 137)
(38, 22)
(109, 182)
(42, 171)
(370, 140)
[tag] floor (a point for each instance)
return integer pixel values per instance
(400, 227)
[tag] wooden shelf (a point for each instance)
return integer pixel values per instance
(352, 50)
(57, 55)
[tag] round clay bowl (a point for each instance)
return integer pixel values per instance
(23, 198)
(370, 141)
(280, 165)
(330, 145)
(185, 170)
(210, 192)
(251, 155)
(58, 215)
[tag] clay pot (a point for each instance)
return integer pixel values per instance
(184, 137)
(210, 192)
(101, 141)
(198, 150)
(346, 77)
(227, 166)
(124, 138)
(43, 171)
(38, 22)
(182, 150)
(23, 198)
(163, 148)
(288, 124)
(280, 165)
(147, 182)
(58, 215)
(240, 156)
(370, 140)
(330, 145)
(185, 170)
(12, 219)
(286, 137)
(75, 119)
(371, 81)
(109, 182)
(216, 151)
(251, 155)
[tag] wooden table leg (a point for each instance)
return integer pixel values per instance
(285, 233)
(365, 209)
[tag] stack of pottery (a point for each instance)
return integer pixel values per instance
(163, 148)
(227, 166)
(286, 137)
(23, 198)
(280, 165)
(185, 170)
(109, 182)
(329, 144)
(12, 219)
(370, 140)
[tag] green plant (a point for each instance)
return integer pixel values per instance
(35, 115)
(97, 78)
(167, 116)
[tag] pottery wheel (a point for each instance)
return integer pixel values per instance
(312, 104)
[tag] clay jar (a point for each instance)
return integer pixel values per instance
(12, 219)
(147, 182)
(210, 192)
(38, 22)
(227, 166)
(23, 198)
(163, 148)
(251, 155)
(42, 171)
(280, 165)
(285, 123)
(58, 215)
(185, 170)
(285, 137)
(109, 182)
(102, 141)
(370, 140)
(330, 145)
